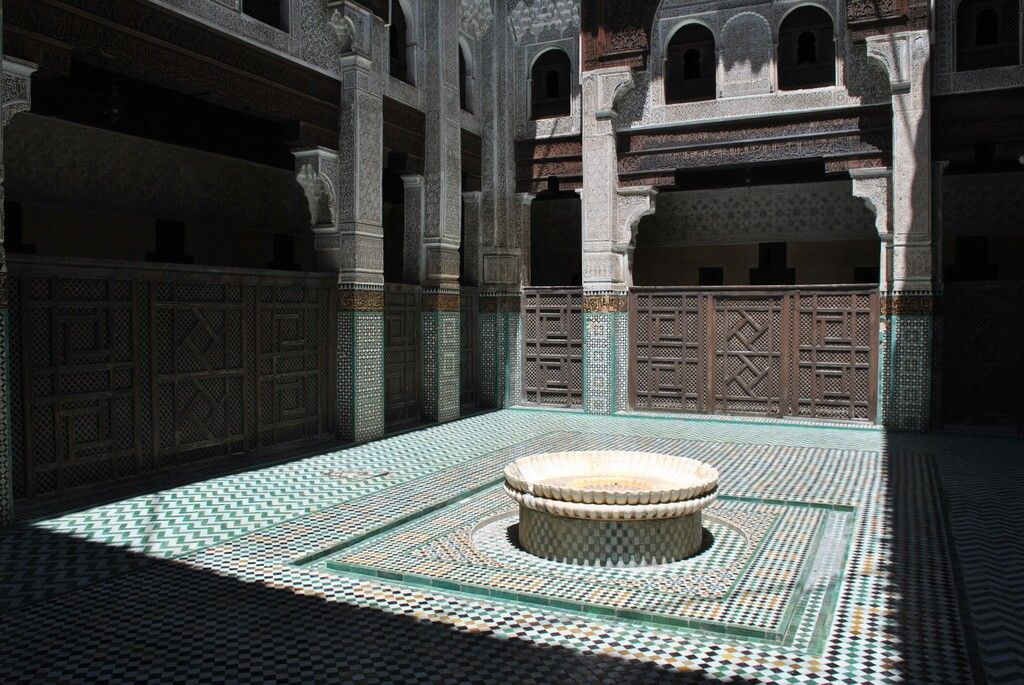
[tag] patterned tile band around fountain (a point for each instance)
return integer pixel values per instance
(611, 508)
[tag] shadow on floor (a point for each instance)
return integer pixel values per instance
(168, 623)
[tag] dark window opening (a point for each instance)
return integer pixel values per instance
(987, 34)
(170, 243)
(393, 219)
(284, 253)
(807, 50)
(14, 233)
(690, 65)
(710, 275)
(771, 266)
(549, 89)
(866, 274)
(399, 43)
(271, 12)
(464, 83)
(971, 260)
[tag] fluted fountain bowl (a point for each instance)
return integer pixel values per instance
(611, 508)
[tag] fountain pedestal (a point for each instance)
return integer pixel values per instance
(611, 508)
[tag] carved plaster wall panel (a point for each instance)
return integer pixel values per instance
(858, 78)
(771, 213)
(54, 162)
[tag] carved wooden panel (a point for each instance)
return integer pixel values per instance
(983, 368)
(553, 346)
(401, 354)
(470, 359)
(125, 368)
(776, 352)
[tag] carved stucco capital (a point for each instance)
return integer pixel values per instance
(16, 90)
(904, 56)
(603, 89)
(632, 204)
(316, 171)
(353, 26)
(874, 186)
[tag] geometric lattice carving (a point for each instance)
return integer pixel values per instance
(810, 352)
(401, 354)
(145, 369)
(553, 346)
(984, 355)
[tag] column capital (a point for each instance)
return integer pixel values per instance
(16, 95)
(412, 181)
(316, 170)
(353, 25)
(603, 89)
(874, 186)
(903, 55)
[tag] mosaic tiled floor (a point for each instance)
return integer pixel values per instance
(390, 562)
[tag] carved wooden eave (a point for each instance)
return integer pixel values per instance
(858, 137)
(539, 160)
(615, 33)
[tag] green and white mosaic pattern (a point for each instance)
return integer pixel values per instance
(831, 563)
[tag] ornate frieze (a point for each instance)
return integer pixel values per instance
(500, 303)
(607, 303)
(907, 303)
(440, 301)
(360, 300)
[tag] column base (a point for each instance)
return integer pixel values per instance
(905, 365)
(500, 350)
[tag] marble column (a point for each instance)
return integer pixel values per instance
(908, 301)
(15, 96)
(610, 217)
(345, 195)
(442, 226)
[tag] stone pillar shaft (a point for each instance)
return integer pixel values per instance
(907, 302)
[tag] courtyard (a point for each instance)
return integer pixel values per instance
(834, 553)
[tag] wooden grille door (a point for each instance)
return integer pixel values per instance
(401, 354)
(811, 351)
(553, 346)
(747, 355)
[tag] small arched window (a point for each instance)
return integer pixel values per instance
(807, 50)
(271, 12)
(690, 65)
(550, 85)
(987, 34)
(400, 45)
(465, 81)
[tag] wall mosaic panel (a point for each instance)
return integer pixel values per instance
(469, 331)
(124, 370)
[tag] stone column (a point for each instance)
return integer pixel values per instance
(15, 96)
(874, 186)
(908, 301)
(345, 195)
(610, 217)
(442, 227)
(412, 264)
(500, 254)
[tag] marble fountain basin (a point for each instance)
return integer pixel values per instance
(611, 508)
